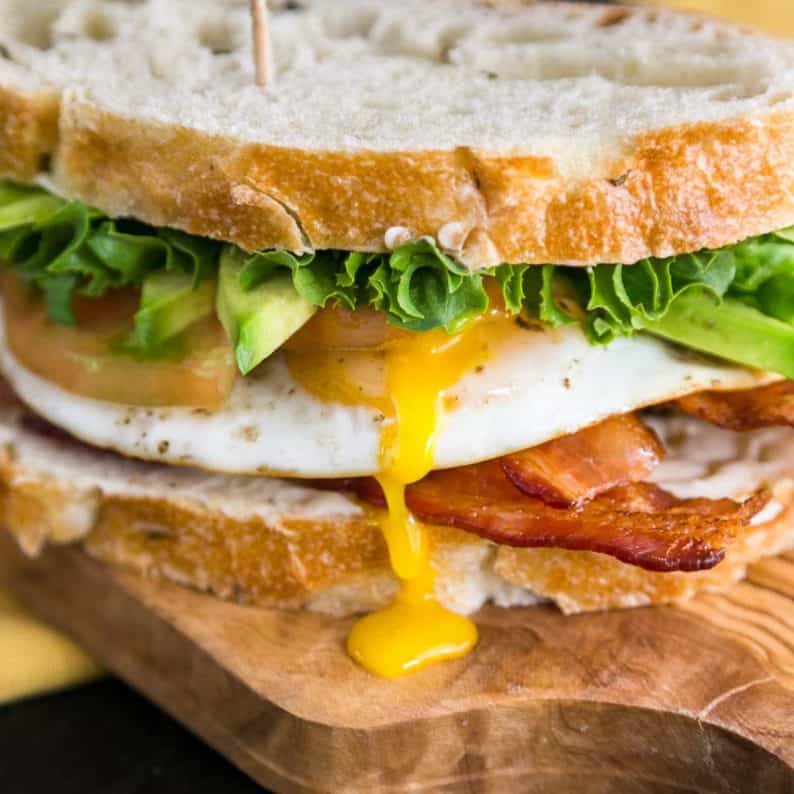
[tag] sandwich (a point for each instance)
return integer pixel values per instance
(474, 302)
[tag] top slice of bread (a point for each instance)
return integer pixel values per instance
(508, 131)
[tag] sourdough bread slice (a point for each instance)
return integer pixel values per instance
(274, 542)
(521, 134)
(32, 77)
(47, 46)
(508, 131)
(28, 100)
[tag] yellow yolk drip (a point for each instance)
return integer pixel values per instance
(415, 630)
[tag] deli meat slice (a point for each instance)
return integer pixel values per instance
(765, 406)
(639, 524)
(578, 467)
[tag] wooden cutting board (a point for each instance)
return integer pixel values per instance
(695, 699)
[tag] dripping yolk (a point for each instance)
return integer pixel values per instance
(404, 376)
(415, 630)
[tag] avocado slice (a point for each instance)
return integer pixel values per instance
(170, 303)
(728, 329)
(259, 320)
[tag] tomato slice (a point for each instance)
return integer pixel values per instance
(337, 328)
(85, 359)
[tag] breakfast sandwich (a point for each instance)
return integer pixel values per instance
(473, 301)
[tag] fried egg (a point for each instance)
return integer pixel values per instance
(519, 389)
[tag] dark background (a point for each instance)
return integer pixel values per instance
(105, 739)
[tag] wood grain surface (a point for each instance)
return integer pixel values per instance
(694, 699)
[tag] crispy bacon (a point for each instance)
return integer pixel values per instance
(639, 524)
(578, 467)
(765, 406)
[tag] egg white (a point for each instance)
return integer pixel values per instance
(534, 387)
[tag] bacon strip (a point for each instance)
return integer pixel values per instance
(765, 406)
(639, 524)
(578, 467)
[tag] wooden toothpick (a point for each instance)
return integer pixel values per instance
(263, 52)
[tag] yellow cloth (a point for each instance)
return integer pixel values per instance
(34, 658)
(776, 16)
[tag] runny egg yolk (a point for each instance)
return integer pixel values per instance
(407, 382)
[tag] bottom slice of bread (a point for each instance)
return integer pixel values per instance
(278, 543)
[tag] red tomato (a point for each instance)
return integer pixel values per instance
(85, 359)
(335, 328)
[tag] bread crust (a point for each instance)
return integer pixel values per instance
(675, 190)
(28, 131)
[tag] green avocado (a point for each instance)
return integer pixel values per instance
(170, 303)
(258, 320)
(776, 297)
(728, 329)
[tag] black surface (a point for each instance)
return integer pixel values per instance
(105, 739)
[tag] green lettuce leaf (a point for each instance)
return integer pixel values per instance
(421, 288)
(511, 280)
(417, 286)
(542, 288)
(64, 247)
(624, 299)
(746, 291)
(316, 276)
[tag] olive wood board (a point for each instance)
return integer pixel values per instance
(678, 699)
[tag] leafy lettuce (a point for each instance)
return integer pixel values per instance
(67, 248)
(623, 299)
(736, 303)
(64, 247)
(417, 286)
